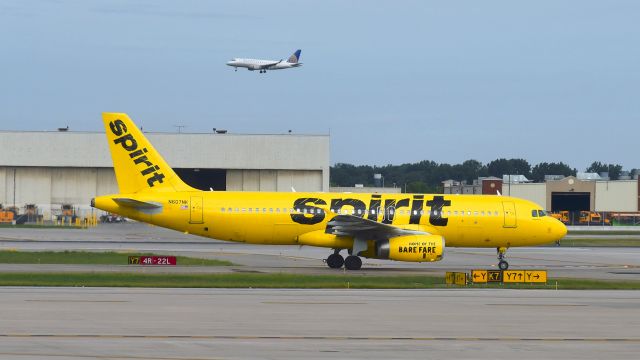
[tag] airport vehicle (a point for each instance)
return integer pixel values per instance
(263, 65)
(403, 227)
(563, 216)
(592, 217)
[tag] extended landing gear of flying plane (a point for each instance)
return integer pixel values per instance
(336, 261)
(502, 263)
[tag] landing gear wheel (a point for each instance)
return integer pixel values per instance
(335, 261)
(503, 265)
(352, 262)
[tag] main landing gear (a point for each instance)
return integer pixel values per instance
(502, 263)
(336, 261)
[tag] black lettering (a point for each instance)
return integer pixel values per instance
(435, 217)
(137, 153)
(157, 177)
(304, 219)
(391, 207)
(118, 127)
(374, 204)
(416, 208)
(337, 204)
(127, 141)
(149, 170)
(143, 159)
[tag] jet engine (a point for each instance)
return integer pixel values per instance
(414, 248)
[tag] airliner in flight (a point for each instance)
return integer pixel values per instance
(401, 227)
(264, 65)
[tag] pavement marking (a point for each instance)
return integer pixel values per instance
(529, 305)
(294, 337)
(312, 303)
(78, 301)
(98, 356)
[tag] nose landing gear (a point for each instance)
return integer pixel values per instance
(502, 263)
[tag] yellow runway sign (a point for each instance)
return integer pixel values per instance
(513, 276)
(535, 276)
(461, 279)
(479, 276)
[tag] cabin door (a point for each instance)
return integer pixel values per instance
(510, 220)
(196, 210)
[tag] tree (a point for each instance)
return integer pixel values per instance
(614, 170)
(503, 166)
(539, 171)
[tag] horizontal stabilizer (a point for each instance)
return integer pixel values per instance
(137, 204)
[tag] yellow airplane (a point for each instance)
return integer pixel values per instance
(402, 227)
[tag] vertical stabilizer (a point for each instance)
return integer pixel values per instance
(138, 166)
(293, 59)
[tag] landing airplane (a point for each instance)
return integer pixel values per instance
(402, 227)
(264, 65)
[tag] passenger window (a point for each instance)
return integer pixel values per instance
(250, 209)
(277, 210)
(229, 209)
(455, 212)
(222, 209)
(496, 213)
(244, 209)
(482, 213)
(237, 210)
(264, 210)
(469, 213)
(475, 213)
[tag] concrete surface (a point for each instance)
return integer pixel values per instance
(118, 323)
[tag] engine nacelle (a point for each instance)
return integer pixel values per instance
(414, 248)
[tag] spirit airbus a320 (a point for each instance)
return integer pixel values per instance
(401, 227)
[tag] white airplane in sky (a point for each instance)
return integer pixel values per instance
(264, 65)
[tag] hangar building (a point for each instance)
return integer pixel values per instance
(52, 168)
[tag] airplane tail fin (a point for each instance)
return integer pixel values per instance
(295, 57)
(138, 166)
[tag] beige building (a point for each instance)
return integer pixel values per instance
(50, 169)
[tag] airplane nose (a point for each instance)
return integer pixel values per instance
(558, 230)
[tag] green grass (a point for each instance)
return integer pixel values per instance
(244, 280)
(609, 231)
(613, 242)
(91, 258)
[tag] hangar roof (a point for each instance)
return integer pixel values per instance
(180, 150)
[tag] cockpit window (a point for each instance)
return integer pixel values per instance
(534, 213)
(541, 213)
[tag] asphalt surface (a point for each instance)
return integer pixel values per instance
(118, 323)
(597, 262)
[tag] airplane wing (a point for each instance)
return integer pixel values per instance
(267, 66)
(362, 229)
(350, 225)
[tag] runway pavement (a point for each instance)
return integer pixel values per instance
(115, 323)
(599, 263)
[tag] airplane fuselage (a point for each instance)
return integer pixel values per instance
(302, 218)
(258, 64)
